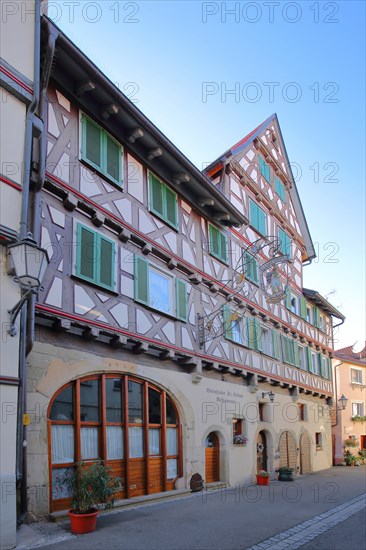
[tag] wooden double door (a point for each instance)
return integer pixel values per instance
(212, 458)
(288, 454)
(305, 462)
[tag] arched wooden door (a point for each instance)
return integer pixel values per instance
(305, 464)
(288, 451)
(261, 452)
(212, 455)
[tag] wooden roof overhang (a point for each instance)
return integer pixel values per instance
(316, 298)
(83, 83)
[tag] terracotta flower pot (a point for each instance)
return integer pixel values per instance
(83, 523)
(262, 480)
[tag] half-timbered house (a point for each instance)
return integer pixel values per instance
(173, 334)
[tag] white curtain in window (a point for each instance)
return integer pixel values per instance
(154, 441)
(136, 442)
(114, 442)
(171, 441)
(89, 443)
(171, 468)
(62, 444)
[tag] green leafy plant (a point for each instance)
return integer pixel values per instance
(91, 486)
(351, 442)
(350, 459)
(263, 473)
(285, 470)
(358, 418)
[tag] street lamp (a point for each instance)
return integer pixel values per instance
(29, 262)
(342, 403)
(270, 394)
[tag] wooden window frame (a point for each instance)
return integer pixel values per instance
(102, 425)
(221, 255)
(98, 236)
(163, 215)
(104, 136)
(255, 224)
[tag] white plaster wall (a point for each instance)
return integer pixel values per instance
(207, 406)
(16, 31)
(12, 127)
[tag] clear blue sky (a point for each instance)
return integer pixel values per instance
(303, 60)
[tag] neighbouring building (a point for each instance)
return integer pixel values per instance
(349, 431)
(19, 79)
(173, 334)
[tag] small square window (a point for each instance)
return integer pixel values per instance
(318, 440)
(356, 376)
(217, 243)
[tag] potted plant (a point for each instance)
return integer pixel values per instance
(262, 477)
(90, 486)
(351, 442)
(285, 474)
(240, 439)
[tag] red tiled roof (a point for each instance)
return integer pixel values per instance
(348, 354)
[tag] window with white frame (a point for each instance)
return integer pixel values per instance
(356, 376)
(302, 358)
(233, 325)
(160, 290)
(358, 408)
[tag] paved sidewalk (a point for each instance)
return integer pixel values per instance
(284, 515)
(305, 532)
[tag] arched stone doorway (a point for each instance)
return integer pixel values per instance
(212, 458)
(305, 461)
(130, 424)
(262, 457)
(288, 455)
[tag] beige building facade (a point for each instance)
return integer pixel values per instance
(350, 380)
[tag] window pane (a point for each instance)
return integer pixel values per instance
(154, 441)
(113, 159)
(136, 442)
(89, 443)
(172, 468)
(171, 441)
(114, 442)
(92, 145)
(114, 400)
(63, 405)
(135, 413)
(154, 407)
(62, 444)
(89, 401)
(171, 417)
(160, 291)
(59, 487)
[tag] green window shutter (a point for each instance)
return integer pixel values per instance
(258, 335)
(106, 262)
(303, 307)
(156, 195)
(251, 333)
(113, 159)
(285, 243)
(284, 347)
(320, 363)
(288, 298)
(267, 173)
(297, 354)
(141, 272)
(181, 299)
(223, 247)
(91, 146)
(214, 240)
(280, 189)
(264, 169)
(275, 344)
(310, 363)
(329, 368)
(316, 316)
(253, 213)
(228, 331)
(86, 253)
(171, 206)
(262, 222)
